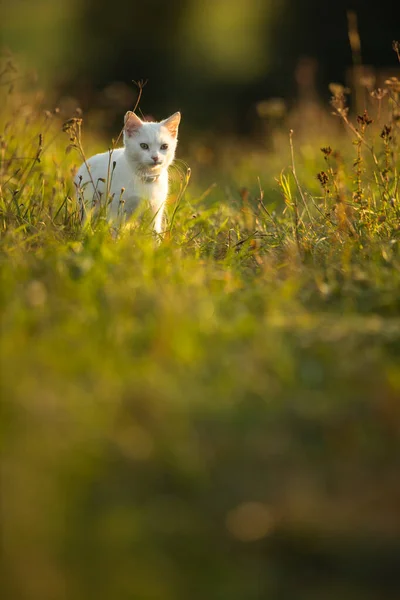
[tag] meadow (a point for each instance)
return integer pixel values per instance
(214, 414)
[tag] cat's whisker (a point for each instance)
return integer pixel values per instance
(181, 167)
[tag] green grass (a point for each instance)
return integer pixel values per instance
(215, 415)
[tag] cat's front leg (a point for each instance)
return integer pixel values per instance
(159, 218)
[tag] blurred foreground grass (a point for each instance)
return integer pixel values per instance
(217, 415)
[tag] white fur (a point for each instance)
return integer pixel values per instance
(136, 172)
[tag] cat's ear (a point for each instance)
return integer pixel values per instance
(132, 123)
(172, 123)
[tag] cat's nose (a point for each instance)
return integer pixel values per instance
(155, 158)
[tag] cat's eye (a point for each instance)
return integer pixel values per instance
(164, 147)
(144, 146)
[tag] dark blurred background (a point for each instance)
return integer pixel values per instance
(215, 60)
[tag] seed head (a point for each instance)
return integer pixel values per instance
(364, 119)
(326, 150)
(379, 93)
(385, 134)
(323, 178)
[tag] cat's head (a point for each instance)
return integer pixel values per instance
(151, 146)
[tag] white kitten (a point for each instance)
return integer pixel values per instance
(141, 169)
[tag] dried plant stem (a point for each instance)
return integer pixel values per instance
(140, 86)
(296, 178)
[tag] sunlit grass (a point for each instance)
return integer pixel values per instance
(209, 415)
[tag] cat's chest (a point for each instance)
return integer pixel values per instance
(136, 191)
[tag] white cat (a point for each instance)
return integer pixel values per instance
(140, 173)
